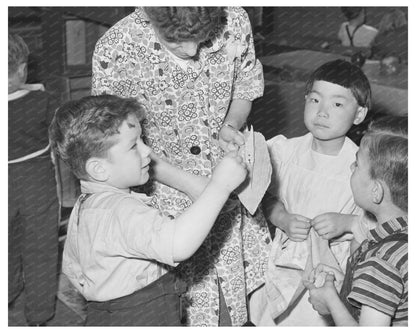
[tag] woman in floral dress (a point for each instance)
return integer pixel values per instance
(195, 70)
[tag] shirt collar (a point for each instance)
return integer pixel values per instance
(91, 187)
(25, 89)
(387, 228)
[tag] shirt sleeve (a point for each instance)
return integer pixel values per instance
(378, 285)
(249, 81)
(143, 232)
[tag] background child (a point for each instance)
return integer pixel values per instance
(117, 245)
(375, 291)
(311, 178)
(33, 204)
(355, 32)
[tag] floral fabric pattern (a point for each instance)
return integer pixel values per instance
(184, 112)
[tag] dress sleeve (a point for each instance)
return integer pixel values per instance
(249, 81)
(143, 232)
(378, 285)
(116, 67)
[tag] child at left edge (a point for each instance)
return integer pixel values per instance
(375, 287)
(33, 205)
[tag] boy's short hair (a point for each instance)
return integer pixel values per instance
(18, 52)
(345, 74)
(386, 143)
(179, 24)
(84, 128)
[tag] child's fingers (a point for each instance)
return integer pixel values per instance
(330, 278)
(309, 285)
(231, 146)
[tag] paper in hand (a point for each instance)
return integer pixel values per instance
(256, 156)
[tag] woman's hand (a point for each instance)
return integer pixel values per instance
(230, 139)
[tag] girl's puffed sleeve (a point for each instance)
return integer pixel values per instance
(277, 149)
(249, 81)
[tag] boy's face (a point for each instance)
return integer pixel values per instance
(330, 110)
(128, 160)
(361, 182)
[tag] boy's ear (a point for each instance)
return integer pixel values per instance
(96, 169)
(360, 115)
(22, 71)
(377, 192)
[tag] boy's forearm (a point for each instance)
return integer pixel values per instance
(194, 224)
(340, 313)
(179, 179)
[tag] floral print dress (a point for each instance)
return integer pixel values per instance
(185, 108)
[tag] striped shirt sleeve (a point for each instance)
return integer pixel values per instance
(377, 283)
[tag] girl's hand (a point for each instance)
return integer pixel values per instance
(332, 225)
(296, 227)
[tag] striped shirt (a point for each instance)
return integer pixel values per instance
(380, 277)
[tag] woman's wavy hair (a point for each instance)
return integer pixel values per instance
(386, 143)
(179, 24)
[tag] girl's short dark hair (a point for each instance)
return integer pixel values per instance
(386, 143)
(84, 128)
(179, 24)
(345, 74)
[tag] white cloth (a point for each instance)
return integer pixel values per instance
(363, 37)
(309, 184)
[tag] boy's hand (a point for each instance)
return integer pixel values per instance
(230, 172)
(332, 225)
(321, 297)
(323, 269)
(296, 227)
(230, 139)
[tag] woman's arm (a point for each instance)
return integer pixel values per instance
(234, 121)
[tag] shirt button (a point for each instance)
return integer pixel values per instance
(195, 150)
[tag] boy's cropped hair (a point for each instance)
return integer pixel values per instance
(18, 52)
(386, 142)
(345, 74)
(351, 12)
(83, 128)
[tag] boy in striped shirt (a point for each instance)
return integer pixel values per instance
(374, 290)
